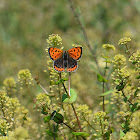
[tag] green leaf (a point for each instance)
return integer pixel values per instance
(52, 83)
(81, 134)
(138, 77)
(106, 93)
(120, 86)
(57, 117)
(117, 81)
(44, 110)
(47, 118)
(72, 99)
(101, 78)
(58, 82)
(125, 99)
(61, 81)
(136, 92)
(65, 79)
(134, 62)
(123, 125)
(121, 133)
(108, 61)
(51, 133)
(134, 107)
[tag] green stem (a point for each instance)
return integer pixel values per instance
(102, 130)
(104, 88)
(72, 106)
(88, 123)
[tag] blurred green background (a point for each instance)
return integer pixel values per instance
(25, 26)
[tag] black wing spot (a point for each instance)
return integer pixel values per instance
(55, 50)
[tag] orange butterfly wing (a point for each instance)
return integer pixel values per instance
(55, 53)
(75, 53)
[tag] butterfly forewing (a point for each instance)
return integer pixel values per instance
(55, 53)
(75, 53)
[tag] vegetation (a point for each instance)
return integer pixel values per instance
(100, 101)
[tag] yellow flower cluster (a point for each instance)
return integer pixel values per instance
(4, 138)
(101, 124)
(105, 102)
(130, 136)
(42, 99)
(4, 126)
(9, 85)
(99, 115)
(19, 133)
(135, 123)
(84, 110)
(108, 47)
(119, 60)
(74, 45)
(123, 114)
(124, 40)
(123, 73)
(135, 59)
(12, 112)
(54, 40)
(25, 77)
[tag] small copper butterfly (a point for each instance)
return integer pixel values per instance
(68, 59)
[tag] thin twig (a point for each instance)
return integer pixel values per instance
(76, 117)
(127, 99)
(84, 33)
(88, 123)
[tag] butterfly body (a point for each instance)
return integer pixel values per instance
(68, 59)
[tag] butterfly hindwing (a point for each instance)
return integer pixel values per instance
(75, 53)
(55, 53)
(72, 65)
(58, 64)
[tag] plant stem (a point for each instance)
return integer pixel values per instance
(72, 106)
(127, 99)
(104, 88)
(102, 130)
(76, 117)
(69, 127)
(64, 86)
(88, 123)
(69, 83)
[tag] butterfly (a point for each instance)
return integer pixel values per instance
(68, 59)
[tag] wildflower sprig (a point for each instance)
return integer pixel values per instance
(25, 77)
(107, 61)
(124, 40)
(10, 86)
(108, 47)
(135, 59)
(13, 117)
(54, 40)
